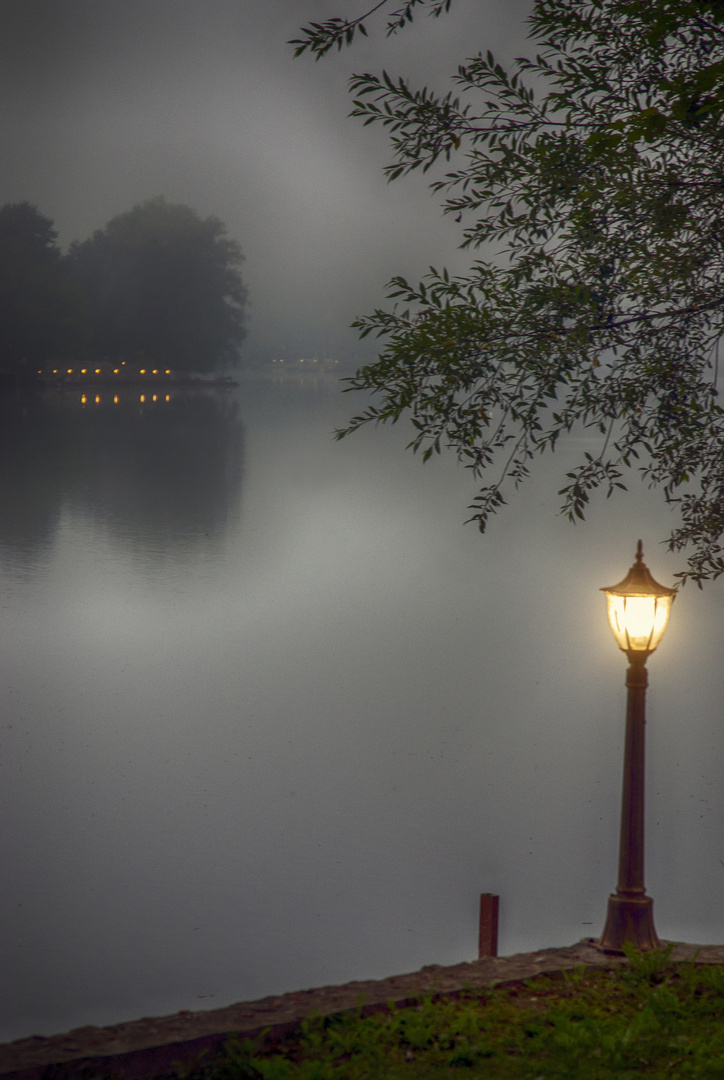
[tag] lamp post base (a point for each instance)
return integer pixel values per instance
(630, 919)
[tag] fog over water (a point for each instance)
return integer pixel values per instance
(272, 717)
(105, 105)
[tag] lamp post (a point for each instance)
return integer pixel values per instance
(638, 611)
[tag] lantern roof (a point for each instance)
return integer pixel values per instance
(639, 581)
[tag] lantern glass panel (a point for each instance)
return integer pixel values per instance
(638, 622)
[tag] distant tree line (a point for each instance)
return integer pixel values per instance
(159, 285)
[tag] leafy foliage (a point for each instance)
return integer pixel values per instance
(163, 285)
(321, 37)
(157, 284)
(41, 313)
(592, 178)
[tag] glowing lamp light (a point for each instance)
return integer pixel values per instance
(638, 611)
(638, 608)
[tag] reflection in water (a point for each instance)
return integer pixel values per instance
(248, 753)
(161, 471)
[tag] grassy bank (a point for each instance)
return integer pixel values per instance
(650, 1019)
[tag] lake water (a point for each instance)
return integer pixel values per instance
(273, 717)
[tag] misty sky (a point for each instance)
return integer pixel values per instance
(467, 718)
(106, 103)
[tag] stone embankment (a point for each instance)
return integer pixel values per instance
(142, 1048)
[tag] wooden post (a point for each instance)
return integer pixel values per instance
(488, 936)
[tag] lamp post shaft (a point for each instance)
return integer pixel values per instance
(631, 849)
(630, 910)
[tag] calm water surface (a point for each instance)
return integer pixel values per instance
(272, 717)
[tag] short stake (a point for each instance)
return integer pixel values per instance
(488, 936)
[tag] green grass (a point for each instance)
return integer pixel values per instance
(650, 1019)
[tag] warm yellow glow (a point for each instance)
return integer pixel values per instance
(168, 397)
(143, 397)
(155, 397)
(84, 371)
(115, 399)
(40, 371)
(98, 371)
(70, 370)
(638, 622)
(143, 371)
(83, 399)
(155, 371)
(55, 371)
(168, 370)
(116, 371)
(98, 399)
(638, 608)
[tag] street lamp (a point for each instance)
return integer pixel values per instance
(638, 611)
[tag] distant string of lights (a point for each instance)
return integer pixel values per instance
(143, 398)
(103, 371)
(106, 372)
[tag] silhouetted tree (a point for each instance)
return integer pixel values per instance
(41, 311)
(163, 286)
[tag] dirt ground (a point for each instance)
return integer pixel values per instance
(152, 1045)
